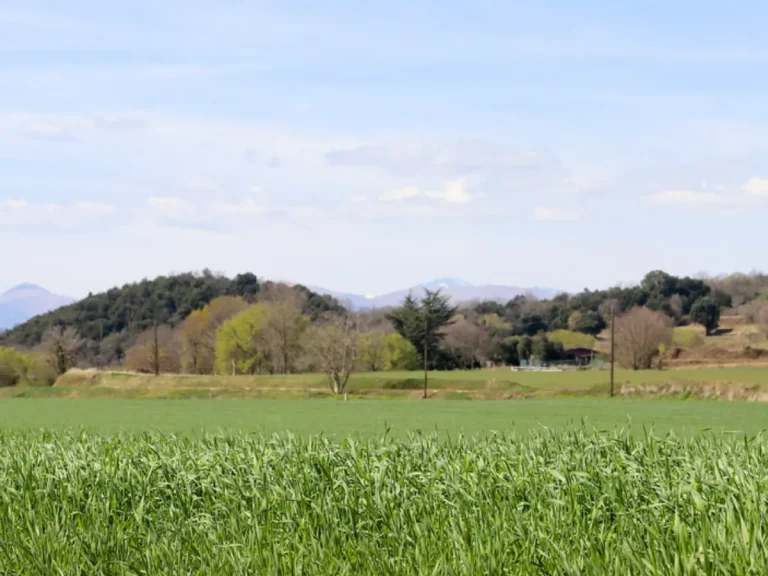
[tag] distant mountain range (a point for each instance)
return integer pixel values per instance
(458, 290)
(24, 301)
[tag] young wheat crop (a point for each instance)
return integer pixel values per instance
(551, 503)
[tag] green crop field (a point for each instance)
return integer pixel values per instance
(560, 485)
(372, 417)
(571, 502)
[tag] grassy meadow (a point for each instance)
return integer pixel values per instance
(492, 384)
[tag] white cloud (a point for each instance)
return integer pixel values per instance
(454, 192)
(400, 194)
(550, 214)
(683, 197)
(757, 187)
(248, 207)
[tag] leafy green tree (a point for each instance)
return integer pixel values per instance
(590, 322)
(241, 343)
(400, 354)
(422, 321)
(524, 348)
(244, 285)
(509, 353)
(706, 311)
(533, 323)
(544, 349)
(724, 299)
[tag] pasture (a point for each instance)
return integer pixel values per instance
(372, 418)
(744, 383)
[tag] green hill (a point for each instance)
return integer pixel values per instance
(118, 315)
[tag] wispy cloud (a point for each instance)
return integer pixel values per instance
(684, 197)
(453, 192)
(552, 214)
(401, 194)
(753, 189)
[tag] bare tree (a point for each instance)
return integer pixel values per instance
(155, 355)
(372, 350)
(676, 306)
(607, 308)
(61, 348)
(286, 322)
(333, 342)
(762, 319)
(468, 341)
(639, 335)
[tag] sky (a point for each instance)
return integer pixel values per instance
(369, 146)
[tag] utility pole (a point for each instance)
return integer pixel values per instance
(426, 362)
(613, 342)
(157, 353)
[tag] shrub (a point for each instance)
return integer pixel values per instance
(684, 337)
(406, 384)
(16, 367)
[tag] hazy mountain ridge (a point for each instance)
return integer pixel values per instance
(26, 301)
(458, 290)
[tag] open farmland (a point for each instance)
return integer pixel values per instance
(370, 418)
(729, 383)
(571, 502)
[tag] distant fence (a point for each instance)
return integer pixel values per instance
(559, 365)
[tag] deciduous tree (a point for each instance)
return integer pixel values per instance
(639, 334)
(154, 357)
(242, 346)
(61, 348)
(285, 323)
(333, 342)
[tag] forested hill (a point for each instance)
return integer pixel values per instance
(129, 310)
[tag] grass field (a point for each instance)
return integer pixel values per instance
(551, 503)
(746, 383)
(372, 417)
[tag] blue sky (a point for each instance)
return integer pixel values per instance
(368, 146)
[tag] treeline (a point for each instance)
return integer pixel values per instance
(527, 328)
(206, 324)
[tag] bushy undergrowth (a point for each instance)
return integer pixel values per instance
(552, 503)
